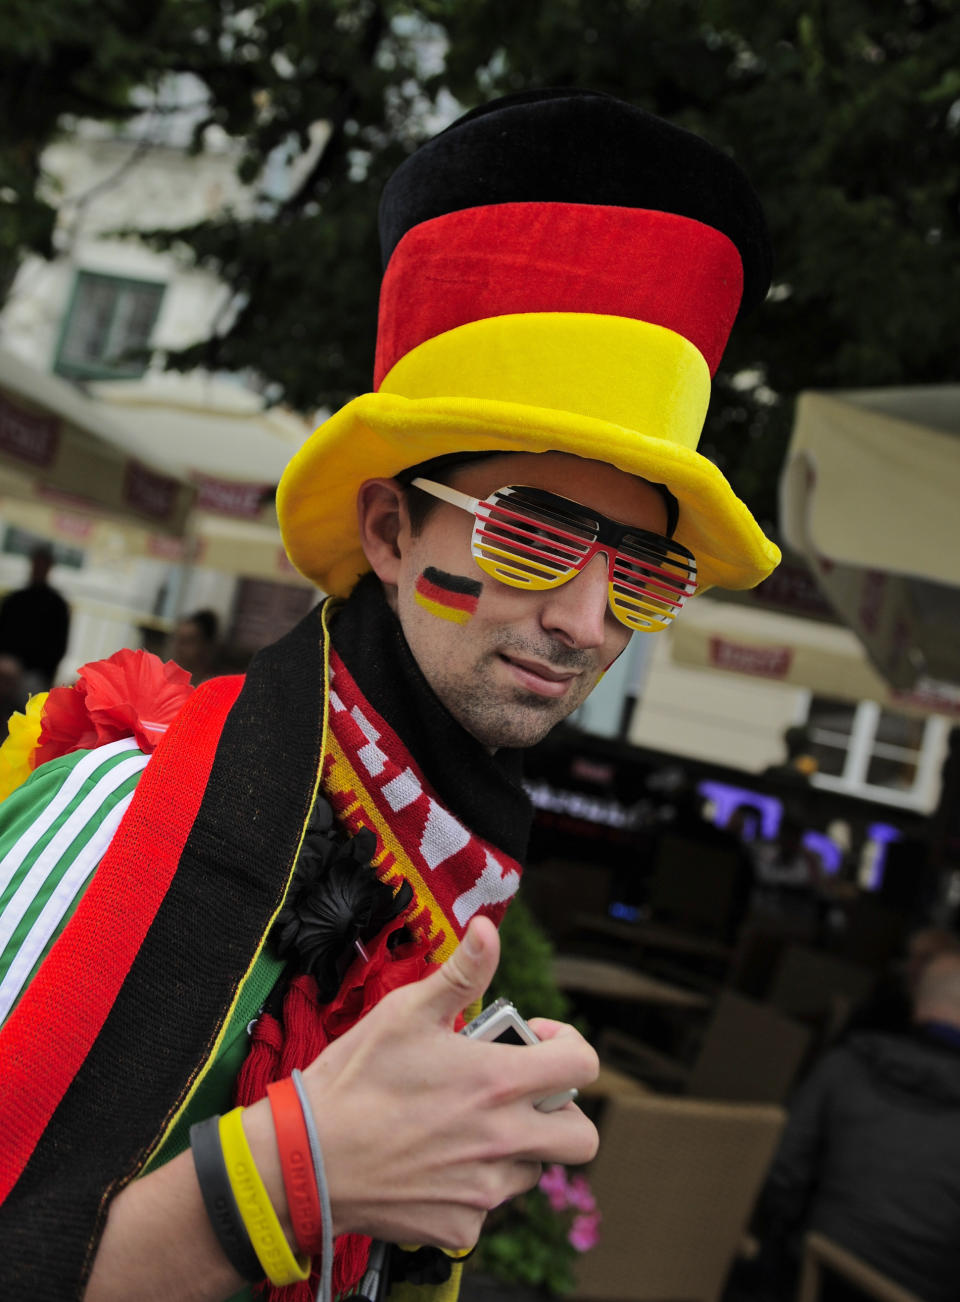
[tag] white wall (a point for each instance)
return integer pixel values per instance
(108, 182)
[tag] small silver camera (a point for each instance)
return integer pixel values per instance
(501, 1022)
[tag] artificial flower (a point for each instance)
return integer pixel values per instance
(385, 965)
(584, 1232)
(131, 694)
(554, 1184)
(335, 902)
(16, 753)
(580, 1196)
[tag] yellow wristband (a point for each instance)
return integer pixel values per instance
(266, 1234)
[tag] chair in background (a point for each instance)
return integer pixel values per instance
(675, 1181)
(820, 1252)
(751, 1053)
(807, 984)
(696, 885)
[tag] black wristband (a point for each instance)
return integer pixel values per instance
(219, 1201)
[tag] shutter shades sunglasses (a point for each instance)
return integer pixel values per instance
(529, 538)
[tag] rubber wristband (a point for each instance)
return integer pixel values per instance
(219, 1201)
(325, 1291)
(266, 1233)
(296, 1163)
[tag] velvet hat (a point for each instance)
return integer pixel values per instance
(561, 272)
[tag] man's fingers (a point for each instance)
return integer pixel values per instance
(464, 977)
(545, 1028)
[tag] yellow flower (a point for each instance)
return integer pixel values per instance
(23, 733)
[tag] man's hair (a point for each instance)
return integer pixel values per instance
(938, 990)
(419, 503)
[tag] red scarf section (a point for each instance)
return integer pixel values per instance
(61, 1005)
(371, 780)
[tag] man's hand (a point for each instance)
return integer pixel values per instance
(423, 1130)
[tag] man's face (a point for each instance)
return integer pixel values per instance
(510, 663)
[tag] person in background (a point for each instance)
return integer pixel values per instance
(13, 695)
(194, 644)
(890, 1005)
(35, 624)
(799, 764)
(870, 1156)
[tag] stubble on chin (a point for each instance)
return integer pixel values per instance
(499, 716)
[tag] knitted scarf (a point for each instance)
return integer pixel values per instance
(187, 895)
(373, 783)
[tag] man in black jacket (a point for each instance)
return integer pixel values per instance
(35, 624)
(871, 1153)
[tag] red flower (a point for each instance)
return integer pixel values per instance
(368, 980)
(133, 694)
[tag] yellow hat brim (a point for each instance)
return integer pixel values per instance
(380, 434)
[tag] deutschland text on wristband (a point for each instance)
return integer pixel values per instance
(266, 1232)
(325, 1291)
(219, 1201)
(299, 1181)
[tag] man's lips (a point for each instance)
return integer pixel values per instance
(540, 678)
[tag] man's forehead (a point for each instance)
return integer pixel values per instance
(597, 484)
(505, 467)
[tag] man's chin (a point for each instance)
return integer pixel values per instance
(517, 725)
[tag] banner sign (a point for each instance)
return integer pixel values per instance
(761, 661)
(149, 493)
(232, 497)
(27, 436)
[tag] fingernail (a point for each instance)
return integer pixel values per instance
(472, 943)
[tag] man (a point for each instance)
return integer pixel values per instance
(518, 496)
(871, 1153)
(194, 644)
(35, 623)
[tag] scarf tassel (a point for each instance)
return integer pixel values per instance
(274, 1052)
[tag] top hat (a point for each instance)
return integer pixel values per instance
(562, 271)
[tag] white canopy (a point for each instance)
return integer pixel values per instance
(827, 659)
(222, 439)
(57, 444)
(870, 495)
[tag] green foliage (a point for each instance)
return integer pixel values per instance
(525, 1242)
(524, 973)
(845, 115)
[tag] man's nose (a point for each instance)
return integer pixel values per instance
(576, 612)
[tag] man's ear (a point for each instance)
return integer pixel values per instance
(383, 524)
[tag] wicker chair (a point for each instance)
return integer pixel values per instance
(675, 1181)
(807, 983)
(819, 1252)
(751, 1053)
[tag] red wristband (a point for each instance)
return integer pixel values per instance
(299, 1181)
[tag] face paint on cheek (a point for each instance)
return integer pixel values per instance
(448, 596)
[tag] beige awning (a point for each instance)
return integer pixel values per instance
(826, 659)
(872, 479)
(56, 440)
(870, 495)
(233, 449)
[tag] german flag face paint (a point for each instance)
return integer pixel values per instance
(448, 596)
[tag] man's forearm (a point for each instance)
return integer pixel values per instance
(158, 1242)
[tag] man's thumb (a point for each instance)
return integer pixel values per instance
(466, 974)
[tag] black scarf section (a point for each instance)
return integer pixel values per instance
(484, 791)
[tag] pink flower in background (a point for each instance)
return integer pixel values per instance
(555, 1185)
(584, 1232)
(580, 1196)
